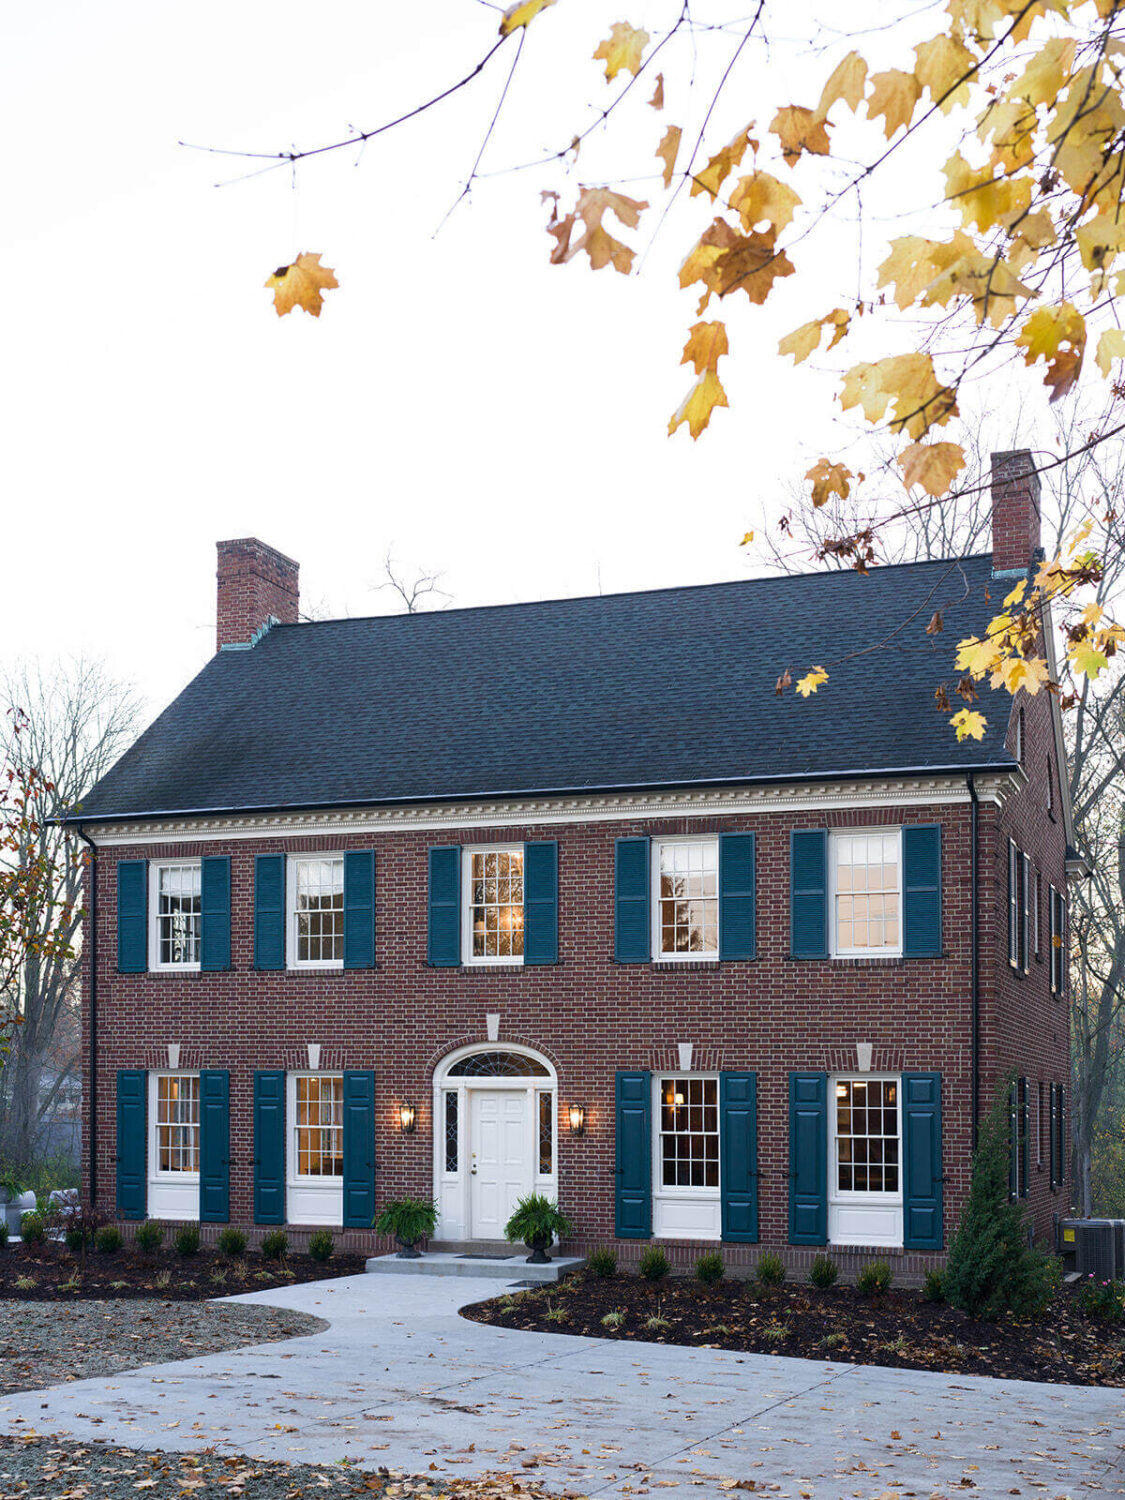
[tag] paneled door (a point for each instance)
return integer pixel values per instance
(501, 1167)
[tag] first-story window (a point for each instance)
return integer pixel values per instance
(316, 911)
(494, 887)
(686, 904)
(865, 1162)
(173, 1145)
(175, 905)
(866, 893)
(315, 1110)
(686, 1166)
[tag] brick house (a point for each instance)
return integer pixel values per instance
(562, 896)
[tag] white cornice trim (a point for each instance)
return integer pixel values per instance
(911, 791)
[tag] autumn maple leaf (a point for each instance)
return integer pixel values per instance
(300, 285)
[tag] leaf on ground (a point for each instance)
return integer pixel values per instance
(800, 130)
(521, 15)
(706, 345)
(894, 95)
(761, 199)
(300, 285)
(668, 150)
(622, 49)
(829, 479)
(699, 403)
(711, 177)
(846, 81)
(931, 466)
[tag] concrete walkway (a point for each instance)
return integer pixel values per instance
(399, 1379)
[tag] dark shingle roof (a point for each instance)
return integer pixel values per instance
(665, 688)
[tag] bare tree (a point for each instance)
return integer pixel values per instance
(77, 719)
(412, 591)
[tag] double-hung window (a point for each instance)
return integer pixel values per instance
(493, 886)
(865, 1161)
(1019, 908)
(175, 908)
(316, 911)
(173, 1145)
(685, 905)
(686, 1201)
(866, 893)
(315, 1154)
(1057, 903)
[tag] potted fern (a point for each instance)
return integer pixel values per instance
(537, 1220)
(409, 1220)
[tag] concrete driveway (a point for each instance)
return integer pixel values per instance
(400, 1379)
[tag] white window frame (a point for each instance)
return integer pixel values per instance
(291, 959)
(154, 869)
(834, 837)
(487, 960)
(1036, 910)
(1013, 905)
(658, 955)
(171, 1195)
(849, 1201)
(309, 1200)
(684, 1213)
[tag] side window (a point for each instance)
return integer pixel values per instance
(685, 907)
(316, 912)
(174, 914)
(865, 873)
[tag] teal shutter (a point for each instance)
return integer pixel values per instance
(633, 1156)
(269, 1147)
(808, 896)
(541, 902)
(359, 1150)
(269, 911)
(921, 891)
(214, 912)
(359, 909)
(132, 1143)
(1013, 1144)
(738, 1156)
(632, 936)
(921, 1160)
(808, 1158)
(444, 933)
(132, 916)
(214, 1146)
(737, 937)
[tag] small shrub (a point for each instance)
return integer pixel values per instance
(187, 1240)
(26, 1283)
(263, 1276)
(118, 1286)
(3, 1232)
(602, 1263)
(654, 1264)
(275, 1245)
(232, 1242)
(109, 1239)
(613, 1320)
(321, 1245)
(163, 1279)
(710, 1268)
(776, 1332)
(408, 1219)
(834, 1340)
(933, 1287)
(33, 1228)
(1104, 1300)
(771, 1269)
(874, 1279)
(899, 1346)
(554, 1314)
(219, 1275)
(149, 1236)
(537, 1217)
(71, 1284)
(657, 1324)
(823, 1272)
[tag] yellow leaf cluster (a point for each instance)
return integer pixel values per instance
(894, 95)
(935, 271)
(1058, 335)
(711, 178)
(1111, 346)
(596, 241)
(800, 130)
(802, 341)
(706, 345)
(982, 198)
(699, 403)
(907, 383)
(521, 15)
(846, 81)
(969, 724)
(668, 150)
(943, 68)
(761, 199)
(622, 49)
(726, 261)
(300, 285)
(829, 479)
(811, 681)
(931, 466)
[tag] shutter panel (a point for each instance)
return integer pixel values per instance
(1054, 1141)
(1013, 1145)
(541, 902)
(808, 895)
(808, 1158)
(444, 936)
(1063, 1153)
(922, 1170)
(269, 911)
(359, 1150)
(132, 916)
(634, 1156)
(738, 1151)
(214, 1146)
(737, 937)
(1025, 914)
(921, 891)
(269, 1147)
(214, 912)
(632, 879)
(1025, 1138)
(359, 909)
(132, 1143)
(1013, 940)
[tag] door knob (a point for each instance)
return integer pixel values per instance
(473, 1173)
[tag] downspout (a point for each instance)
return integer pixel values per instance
(974, 941)
(92, 1143)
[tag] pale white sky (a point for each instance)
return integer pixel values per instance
(491, 416)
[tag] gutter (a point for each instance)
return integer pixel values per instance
(92, 1143)
(974, 927)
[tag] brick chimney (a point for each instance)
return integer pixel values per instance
(1015, 511)
(257, 586)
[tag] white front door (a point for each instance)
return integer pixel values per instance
(500, 1170)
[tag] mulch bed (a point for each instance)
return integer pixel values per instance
(52, 1273)
(44, 1344)
(38, 1468)
(899, 1329)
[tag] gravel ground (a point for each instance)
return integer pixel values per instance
(49, 1343)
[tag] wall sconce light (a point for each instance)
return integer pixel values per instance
(577, 1120)
(406, 1118)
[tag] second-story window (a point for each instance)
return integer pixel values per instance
(494, 891)
(686, 905)
(175, 906)
(316, 911)
(866, 875)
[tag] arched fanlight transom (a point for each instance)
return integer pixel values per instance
(498, 1064)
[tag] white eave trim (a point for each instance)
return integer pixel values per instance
(912, 791)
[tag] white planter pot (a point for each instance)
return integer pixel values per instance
(14, 1210)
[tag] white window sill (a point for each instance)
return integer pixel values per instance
(329, 967)
(493, 963)
(686, 958)
(174, 969)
